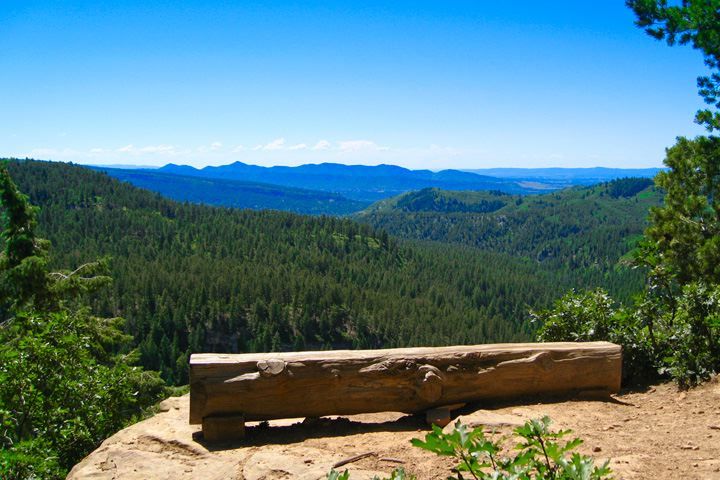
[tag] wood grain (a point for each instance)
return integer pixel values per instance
(265, 386)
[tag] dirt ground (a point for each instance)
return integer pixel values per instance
(659, 433)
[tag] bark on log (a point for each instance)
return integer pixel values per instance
(267, 386)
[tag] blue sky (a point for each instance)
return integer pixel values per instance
(443, 84)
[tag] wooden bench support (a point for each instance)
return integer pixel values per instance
(441, 416)
(223, 428)
(268, 386)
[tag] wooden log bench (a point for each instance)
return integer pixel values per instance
(228, 389)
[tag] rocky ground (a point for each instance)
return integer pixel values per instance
(658, 433)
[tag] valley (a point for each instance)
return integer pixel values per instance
(191, 278)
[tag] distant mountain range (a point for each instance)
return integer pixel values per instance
(356, 182)
(565, 177)
(336, 189)
(237, 194)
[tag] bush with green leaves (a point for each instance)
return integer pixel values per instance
(676, 337)
(593, 316)
(541, 454)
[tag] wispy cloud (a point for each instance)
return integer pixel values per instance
(360, 145)
(161, 149)
(277, 144)
(299, 146)
(215, 146)
(322, 145)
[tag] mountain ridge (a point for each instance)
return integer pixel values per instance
(352, 181)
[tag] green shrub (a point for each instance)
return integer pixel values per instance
(662, 336)
(57, 399)
(541, 455)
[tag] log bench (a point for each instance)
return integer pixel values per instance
(228, 389)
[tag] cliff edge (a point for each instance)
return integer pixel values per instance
(659, 433)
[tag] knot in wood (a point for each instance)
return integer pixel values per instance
(430, 383)
(271, 367)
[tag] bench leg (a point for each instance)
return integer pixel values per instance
(441, 416)
(224, 428)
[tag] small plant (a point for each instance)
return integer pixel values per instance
(397, 474)
(541, 455)
(335, 475)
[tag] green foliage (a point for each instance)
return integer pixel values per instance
(65, 381)
(397, 474)
(30, 460)
(540, 454)
(693, 336)
(577, 236)
(60, 384)
(695, 23)
(681, 341)
(685, 230)
(592, 316)
(23, 262)
(584, 317)
(335, 475)
(628, 187)
(436, 200)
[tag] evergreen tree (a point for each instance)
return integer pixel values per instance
(65, 381)
(693, 22)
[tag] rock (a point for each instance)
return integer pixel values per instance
(597, 449)
(170, 404)
(486, 418)
(273, 462)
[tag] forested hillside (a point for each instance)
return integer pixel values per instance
(195, 278)
(580, 232)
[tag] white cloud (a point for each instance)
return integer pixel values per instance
(162, 149)
(97, 150)
(239, 148)
(360, 145)
(299, 146)
(277, 144)
(216, 146)
(322, 145)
